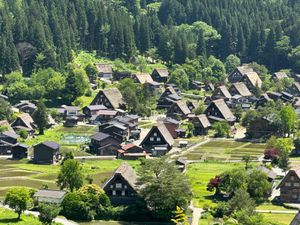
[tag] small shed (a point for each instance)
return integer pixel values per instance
(50, 196)
(19, 151)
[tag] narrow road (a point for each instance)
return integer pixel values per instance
(196, 214)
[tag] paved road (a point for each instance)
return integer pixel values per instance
(196, 214)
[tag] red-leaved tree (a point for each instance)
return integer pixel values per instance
(214, 184)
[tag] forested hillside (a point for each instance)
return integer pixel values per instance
(45, 32)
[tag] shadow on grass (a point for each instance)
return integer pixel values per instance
(215, 198)
(10, 220)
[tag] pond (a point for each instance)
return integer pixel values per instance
(75, 139)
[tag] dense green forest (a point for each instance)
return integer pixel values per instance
(43, 33)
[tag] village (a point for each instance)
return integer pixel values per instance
(202, 134)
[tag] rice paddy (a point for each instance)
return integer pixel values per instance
(226, 150)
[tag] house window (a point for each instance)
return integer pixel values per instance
(292, 177)
(288, 184)
(151, 138)
(158, 139)
(114, 192)
(296, 184)
(118, 185)
(155, 134)
(111, 186)
(125, 186)
(123, 193)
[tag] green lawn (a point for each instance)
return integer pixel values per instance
(279, 219)
(226, 150)
(269, 206)
(8, 217)
(199, 175)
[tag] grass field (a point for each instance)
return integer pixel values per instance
(22, 173)
(8, 217)
(199, 175)
(225, 150)
(122, 223)
(279, 219)
(58, 135)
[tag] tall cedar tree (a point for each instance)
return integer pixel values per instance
(41, 117)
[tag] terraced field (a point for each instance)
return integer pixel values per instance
(225, 150)
(22, 173)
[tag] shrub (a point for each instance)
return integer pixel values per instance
(23, 133)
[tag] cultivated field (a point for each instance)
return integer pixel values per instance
(223, 150)
(22, 173)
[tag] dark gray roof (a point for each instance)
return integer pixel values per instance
(96, 107)
(171, 120)
(174, 96)
(22, 145)
(270, 173)
(10, 134)
(296, 220)
(3, 96)
(50, 144)
(25, 103)
(100, 136)
(72, 108)
(54, 194)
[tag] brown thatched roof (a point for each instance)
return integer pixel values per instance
(162, 72)
(223, 89)
(241, 88)
(244, 69)
(224, 109)
(253, 78)
(128, 174)
(183, 107)
(103, 68)
(280, 75)
(27, 119)
(114, 96)
(143, 78)
(203, 120)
